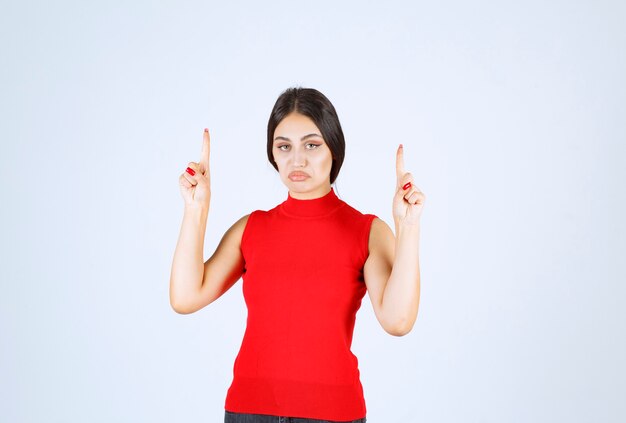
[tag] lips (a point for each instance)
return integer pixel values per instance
(298, 175)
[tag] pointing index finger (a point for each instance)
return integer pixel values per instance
(400, 162)
(206, 146)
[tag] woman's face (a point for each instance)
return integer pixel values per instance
(302, 156)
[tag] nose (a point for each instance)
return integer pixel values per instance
(299, 158)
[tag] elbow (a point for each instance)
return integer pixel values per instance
(180, 308)
(398, 331)
(177, 308)
(180, 303)
(401, 328)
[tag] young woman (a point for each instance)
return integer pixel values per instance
(306, 264)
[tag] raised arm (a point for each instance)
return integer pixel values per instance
(216, 276)
(194, 284)
(391, 272)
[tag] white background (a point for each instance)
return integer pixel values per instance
(512, 117)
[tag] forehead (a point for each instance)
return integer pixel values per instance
(296, 124)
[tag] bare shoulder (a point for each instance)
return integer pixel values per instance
(380, 234)
(378, 266)
(225, 266)
(230, 244)
(238, 227)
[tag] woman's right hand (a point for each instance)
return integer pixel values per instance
(196, 189)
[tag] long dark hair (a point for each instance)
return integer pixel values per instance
(315, 105)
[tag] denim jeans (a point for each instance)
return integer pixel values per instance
(230, 417)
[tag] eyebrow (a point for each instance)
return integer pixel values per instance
(301, 139)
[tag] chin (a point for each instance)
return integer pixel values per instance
(299, 186)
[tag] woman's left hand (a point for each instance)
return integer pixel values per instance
(408, 200)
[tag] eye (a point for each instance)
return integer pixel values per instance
(280, 147)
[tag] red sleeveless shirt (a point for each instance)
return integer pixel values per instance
(303, 285)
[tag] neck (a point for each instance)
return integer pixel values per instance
(311, 195)
(311, 207)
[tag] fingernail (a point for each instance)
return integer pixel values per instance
(406, 186)
(190, 171)
(206, 129)
(401, 146)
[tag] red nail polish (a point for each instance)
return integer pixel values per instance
(206, 129)
(190, 171)
(407, 185)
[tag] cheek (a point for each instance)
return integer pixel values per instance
(329, 160)
(280, 163)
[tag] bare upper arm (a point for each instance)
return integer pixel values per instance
(377, 268)
(224, 267)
